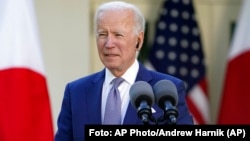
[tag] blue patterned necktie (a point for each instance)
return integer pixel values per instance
(112, 113)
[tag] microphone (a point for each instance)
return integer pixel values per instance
(167, 98)
(142, 98)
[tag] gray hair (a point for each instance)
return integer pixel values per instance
(119, 5)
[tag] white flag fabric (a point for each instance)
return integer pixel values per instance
(24, 98)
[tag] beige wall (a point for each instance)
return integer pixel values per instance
(69, 48)
(64, 33)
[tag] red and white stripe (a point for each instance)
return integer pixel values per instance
(198, 103)
(235, 103)
(24, 98)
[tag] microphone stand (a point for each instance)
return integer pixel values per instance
(169, 116)
(145, 113)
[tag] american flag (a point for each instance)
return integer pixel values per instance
(177, 50)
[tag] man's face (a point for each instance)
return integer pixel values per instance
(116, 40)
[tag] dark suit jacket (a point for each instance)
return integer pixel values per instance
(82, 104)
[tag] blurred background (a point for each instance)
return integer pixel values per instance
(69, 50)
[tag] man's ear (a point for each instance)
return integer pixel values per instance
(140, 40)
(138, 44)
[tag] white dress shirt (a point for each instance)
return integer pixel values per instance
(129, 78)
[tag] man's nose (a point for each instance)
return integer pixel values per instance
(109, 42)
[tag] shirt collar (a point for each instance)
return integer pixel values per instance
(129, 76)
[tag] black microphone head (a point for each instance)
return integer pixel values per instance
(165, 90)
(141, 91)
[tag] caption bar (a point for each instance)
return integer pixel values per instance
(225, 132)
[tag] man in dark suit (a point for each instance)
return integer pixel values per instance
(119, 33)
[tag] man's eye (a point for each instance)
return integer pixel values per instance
(102, 35)
(118, 35)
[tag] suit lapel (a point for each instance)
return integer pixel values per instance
(93, 96)
(131, 114)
